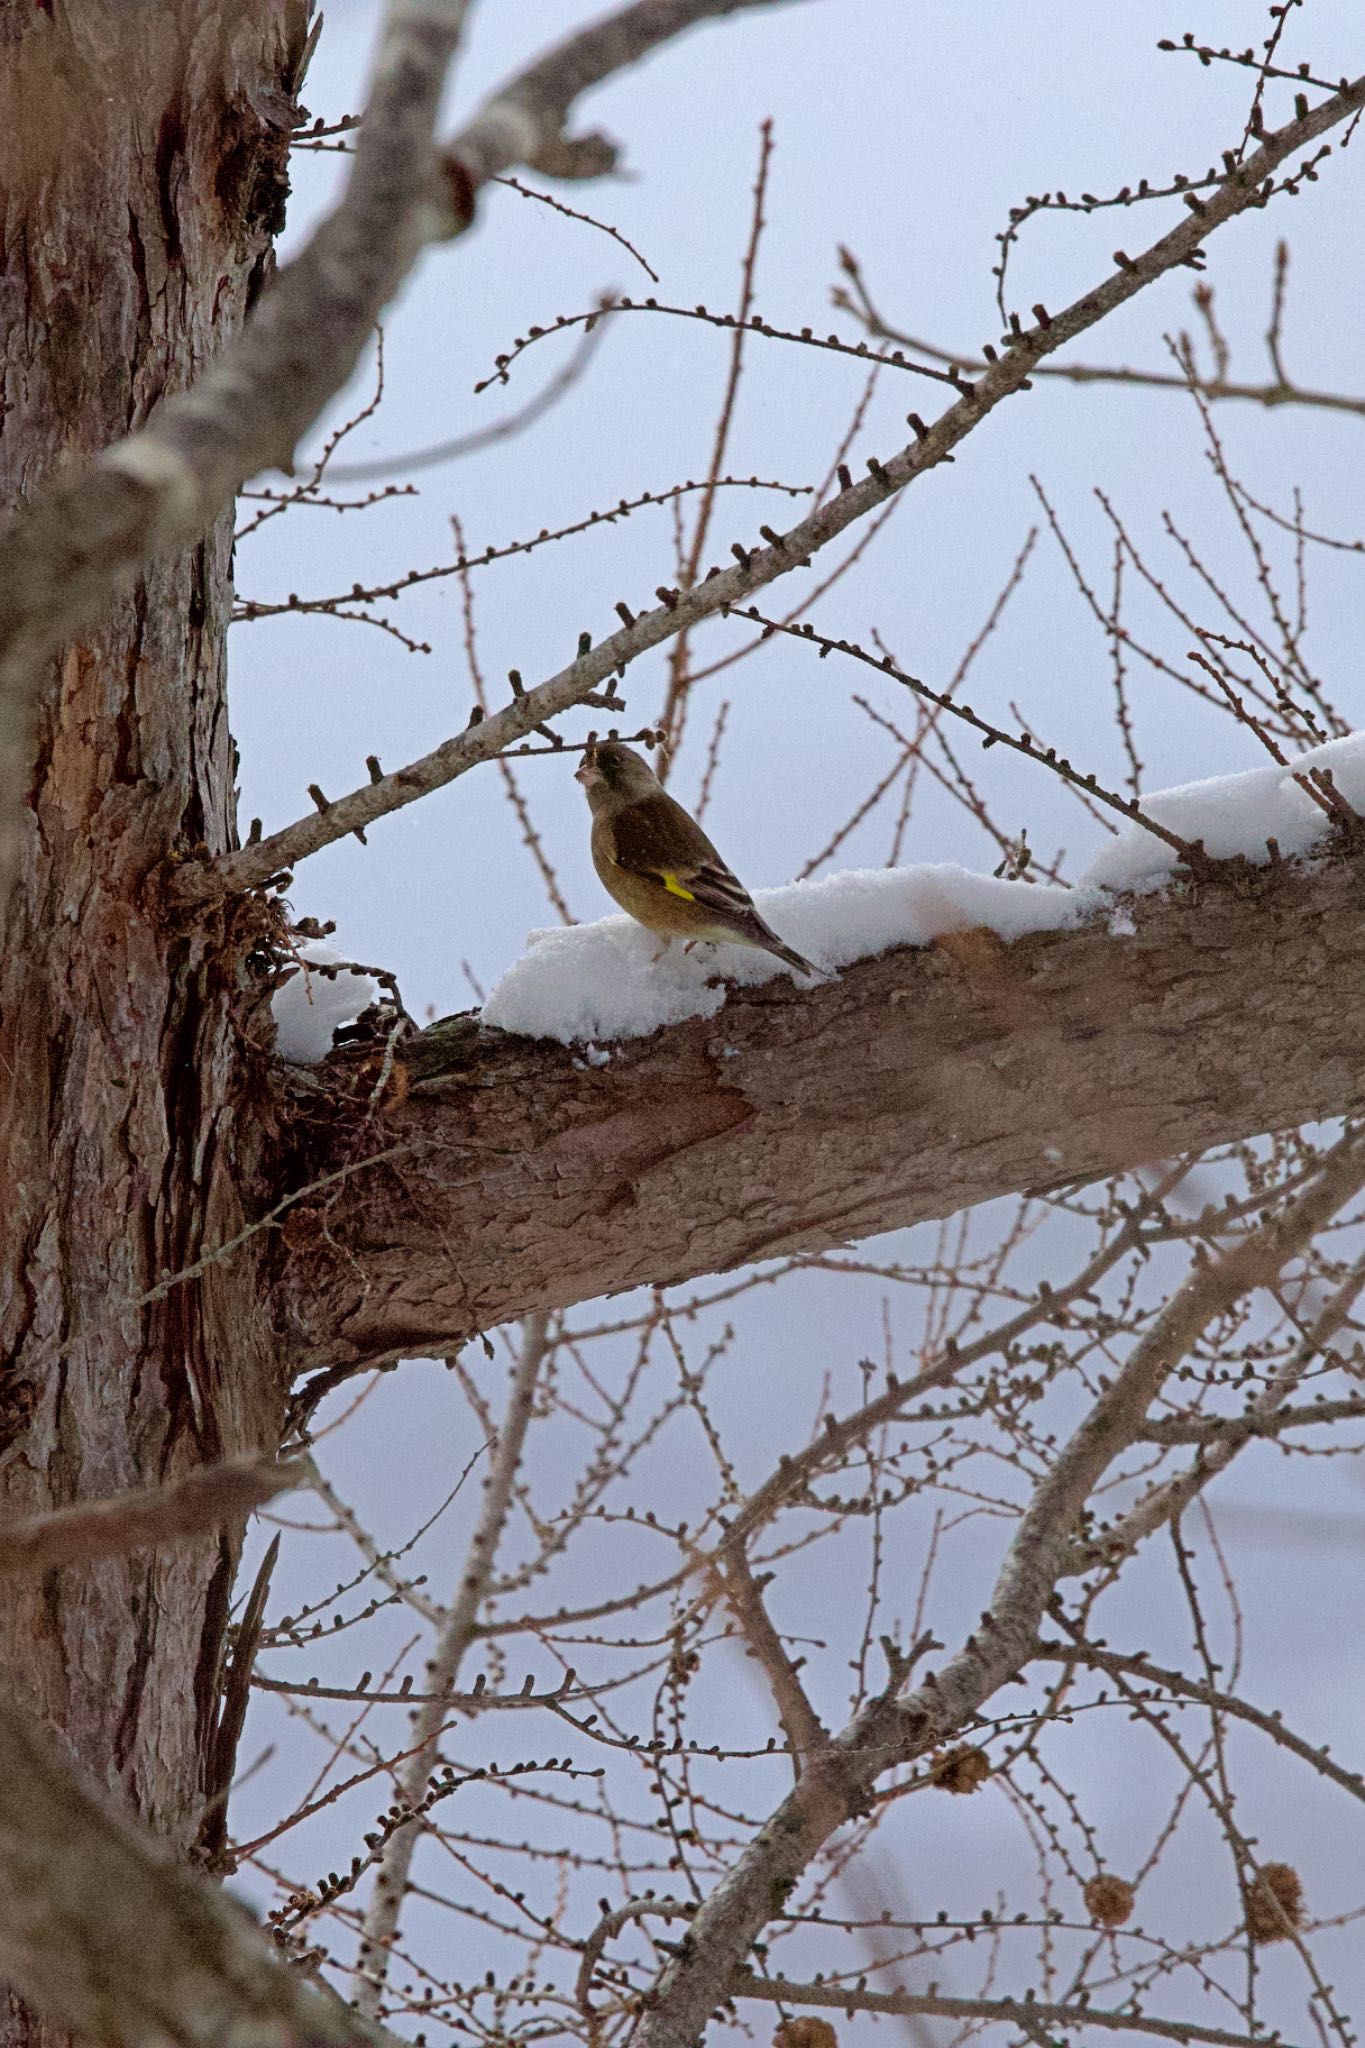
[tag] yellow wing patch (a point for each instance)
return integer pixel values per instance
(675, 887)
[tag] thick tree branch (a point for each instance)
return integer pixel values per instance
(918, 1083)
(89, 535)
(1247, 185)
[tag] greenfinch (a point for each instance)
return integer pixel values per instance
(659, 864)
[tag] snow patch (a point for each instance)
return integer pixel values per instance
(311, 1007)
(1233, 814)
(601, 981)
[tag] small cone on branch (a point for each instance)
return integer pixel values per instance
(806, 2032)
(1275, 1903)
(1109, 1900)
(961, 1770)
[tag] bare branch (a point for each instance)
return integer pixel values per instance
(458, 1632)
(1177, 1682)
(1170, 1499)
(1025, 2013)
(461, 445)
(801, 1724)
(890, 1731)
(1249, 185)
(1268, 396)
(1253, 1426)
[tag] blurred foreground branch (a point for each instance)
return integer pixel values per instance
(103, 1930)
(207, 1499)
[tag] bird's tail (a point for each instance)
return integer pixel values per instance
(794, 959)
(763, 936)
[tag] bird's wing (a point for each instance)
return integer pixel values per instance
(656, 839)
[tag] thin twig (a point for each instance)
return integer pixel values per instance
(386, 1901)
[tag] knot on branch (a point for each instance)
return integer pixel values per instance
(455, 195)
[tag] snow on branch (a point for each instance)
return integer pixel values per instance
(1261, 815)
(594, 983)
(915, 1083)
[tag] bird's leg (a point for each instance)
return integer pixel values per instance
(655, 958)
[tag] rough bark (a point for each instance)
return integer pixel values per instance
(142, 154)
(920, 1082)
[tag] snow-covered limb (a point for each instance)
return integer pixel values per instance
(586, 983)
(1236, 814)
(309, 1009)
(601, 981)
(914, 1083)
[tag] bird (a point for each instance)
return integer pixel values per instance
(659, 864)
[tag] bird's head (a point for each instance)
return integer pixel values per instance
(610, 769)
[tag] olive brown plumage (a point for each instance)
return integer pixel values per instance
(659, 864)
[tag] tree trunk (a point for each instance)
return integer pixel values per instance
(142, 154)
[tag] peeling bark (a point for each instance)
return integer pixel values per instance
(920, 1082)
